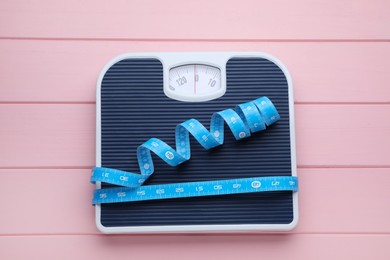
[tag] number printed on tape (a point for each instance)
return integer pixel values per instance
(245, 119)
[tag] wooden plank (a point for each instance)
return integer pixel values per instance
(344, 200)
(47, 136)
(46, 202)
(147, 19)
(67, 71)
(58, 201)
(340, 135)
(293, 247)
(63, 135)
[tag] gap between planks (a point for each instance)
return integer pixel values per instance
(93, 103)
(187, 40)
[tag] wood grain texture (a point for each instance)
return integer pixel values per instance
(63, 135)
(67, 71)
(47, 136)
(54, 201)
(294, 247)
(148, 19)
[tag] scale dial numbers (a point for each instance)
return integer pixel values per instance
(194, 81)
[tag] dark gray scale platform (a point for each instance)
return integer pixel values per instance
(134, 109)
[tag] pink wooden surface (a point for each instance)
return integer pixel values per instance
(294, 247)
(203, 19)
(327, 135)
(65, 208)
(338, 53)
(342, 75)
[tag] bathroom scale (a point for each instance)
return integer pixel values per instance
(146, 95)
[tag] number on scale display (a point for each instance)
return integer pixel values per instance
(194, 80)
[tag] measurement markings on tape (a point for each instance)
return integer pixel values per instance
(245, 119)
(196, 189)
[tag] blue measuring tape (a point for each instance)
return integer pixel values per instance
(245, 119)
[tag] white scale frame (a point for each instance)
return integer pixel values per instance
(170, 60)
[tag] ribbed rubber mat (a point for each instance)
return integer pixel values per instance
(134, 109)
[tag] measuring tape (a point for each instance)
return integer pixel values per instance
(245, 119)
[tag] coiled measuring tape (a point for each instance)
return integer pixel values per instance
(245, 119)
